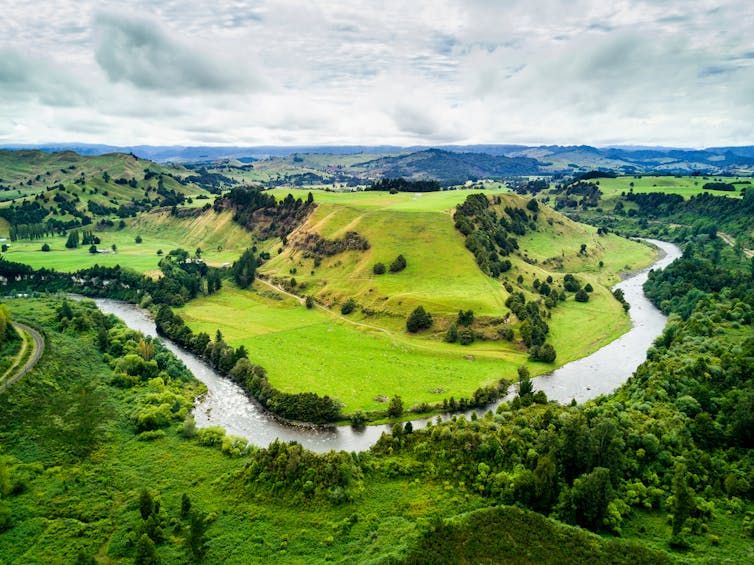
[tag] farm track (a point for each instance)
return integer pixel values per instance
(398, 341)
(732, 242)
(39, 347)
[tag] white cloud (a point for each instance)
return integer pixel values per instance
(430, 71)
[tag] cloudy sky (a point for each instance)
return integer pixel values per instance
(293, 72)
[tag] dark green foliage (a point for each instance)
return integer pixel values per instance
(379, 269)
(418, 320)
(466, 336)
(398, 264)
(146, 553)
(588, 287)
(465, 318)
(73, 240)
(525, 386)
(244, 269)
(571, 283)
(138, 239)
(587, 501)
(395, 408)
(451, 336)
(196, 538)
(315, 246)
(506, 534)
(620, 297)
(348, 306)
(309, 302)
(582, 295)
(146, 504)
(402, 185)
(261, 213)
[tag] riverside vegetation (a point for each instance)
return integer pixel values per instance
(100, 460)
(665, 463)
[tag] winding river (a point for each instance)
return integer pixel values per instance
(226, 404)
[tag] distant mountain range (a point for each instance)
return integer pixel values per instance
(457, 162)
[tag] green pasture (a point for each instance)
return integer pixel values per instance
(686, 186)
(313, 350)
(220, 240)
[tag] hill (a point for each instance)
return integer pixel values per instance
(57, 191)
(354, 345)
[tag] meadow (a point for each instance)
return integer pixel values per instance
(367, 356)
(686, 186)
(220, 240)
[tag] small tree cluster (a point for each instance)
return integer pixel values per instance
(418, 320)
(398, 264)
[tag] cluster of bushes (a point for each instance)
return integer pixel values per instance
(418, 320)
(534, 328)
(396, 266)
(314, 245)
(488, 235)
(402, 185)
(234, 362)
(261, 213)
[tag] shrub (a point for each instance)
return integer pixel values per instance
(395, 409)
(582, 296)
(379, 269)
(348, 306)
(466, 336)
(419, 319)
(398, 264)
(138, 239)
(309, 303)
(45, 247)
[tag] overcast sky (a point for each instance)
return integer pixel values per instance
(232, 72)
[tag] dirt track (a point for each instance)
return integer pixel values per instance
(39, 347)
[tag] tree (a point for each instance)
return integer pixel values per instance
(683, 505)
(146, 553)
(196, 536)
(146, 504)
(398, 264)
(466, 336)
(244, 269)
(525, 386)
(378, 269)
(395, 409)
(92, 249)
(138, 239)
(589, 498)
(465, 318)
(309, 303)
(418, 320)
(185, 505)
(582, 295)
(45, 247)
(582, 251)
(73, 240)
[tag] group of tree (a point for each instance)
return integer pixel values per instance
(401, 184)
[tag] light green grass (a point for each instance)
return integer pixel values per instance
(310, 350)
(686, 186)
(373, 355)
(220, 239)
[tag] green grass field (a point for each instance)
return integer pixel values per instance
(220, 239)
(371, 354)
(686, 186)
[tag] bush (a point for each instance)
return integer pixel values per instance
(348, 306)
(466, 336)
(379, 269)
(309, 303)
(45, 247)
(582, 296)
(395, 409)
(419, 319)
(398, 264)
(138, 239)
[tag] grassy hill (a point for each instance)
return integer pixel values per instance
(45, 193)
(368, 355)
(220, 240)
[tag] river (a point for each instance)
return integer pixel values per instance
(603, 371)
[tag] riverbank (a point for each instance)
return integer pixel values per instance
(228, 406)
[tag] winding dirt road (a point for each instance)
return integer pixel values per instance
(39, 347)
